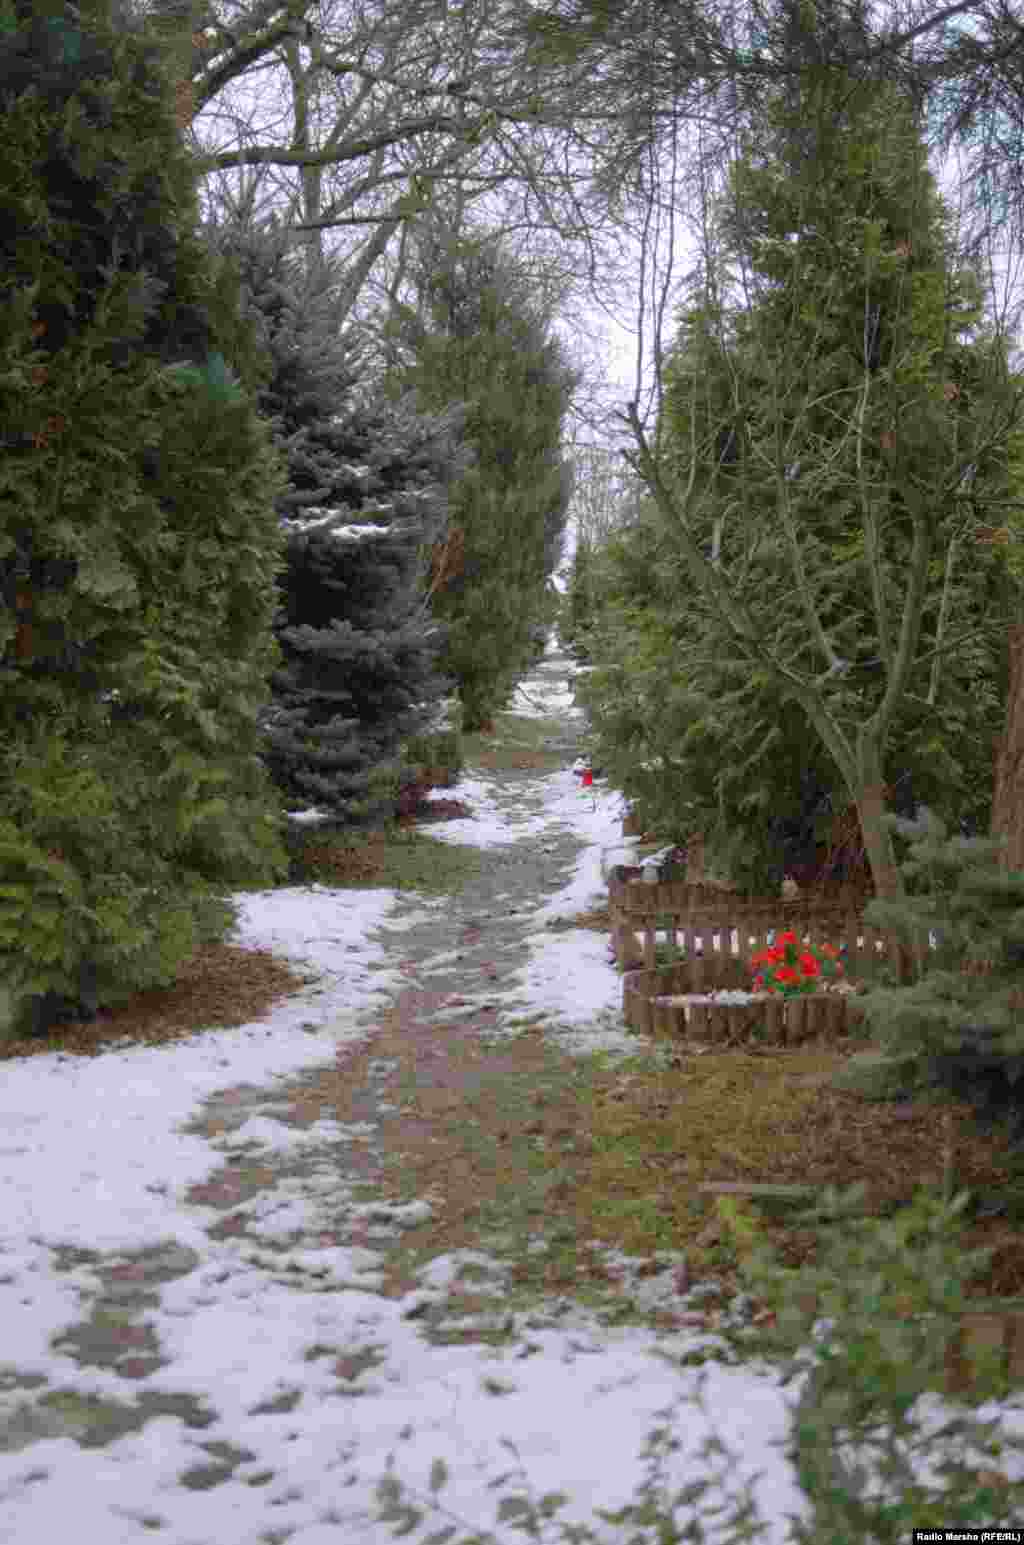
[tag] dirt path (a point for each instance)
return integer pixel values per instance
(460, 1136)
(485, 1123)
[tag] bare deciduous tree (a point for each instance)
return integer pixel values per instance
(355, 118)
(605, 493)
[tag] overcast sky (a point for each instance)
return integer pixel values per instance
(607, 342)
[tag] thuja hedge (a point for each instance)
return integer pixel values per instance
(139, 546)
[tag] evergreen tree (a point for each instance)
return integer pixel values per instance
(476, 339)
(817, 328)
(809, 424)
(579, 601)
(366, 501)
(138, 540)
(940, 742)
(963, 1027)
(605, 503)
(693, 749)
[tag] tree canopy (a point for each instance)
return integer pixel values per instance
(835, 416)
(477, 337)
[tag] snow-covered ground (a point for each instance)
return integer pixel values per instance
(94, 1156)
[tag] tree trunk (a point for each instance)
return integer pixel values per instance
(1008, 792)
(888, 881)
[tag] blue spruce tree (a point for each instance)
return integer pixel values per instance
(365, 507)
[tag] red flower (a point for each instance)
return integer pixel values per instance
(794, 970)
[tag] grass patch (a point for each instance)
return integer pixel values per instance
(665, 1125)
(398, 858)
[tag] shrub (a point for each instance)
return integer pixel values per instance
(138, 541)
(87, 918)
(873, 1362)
(429, 761)
(963, 1026)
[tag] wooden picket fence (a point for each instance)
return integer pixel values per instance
(699, 921)
(693, 913)
(657, 1003)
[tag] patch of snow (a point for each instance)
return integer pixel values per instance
(349, 533)
(308, 817)
(98, 1156)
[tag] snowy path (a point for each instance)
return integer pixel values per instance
(263, 1392)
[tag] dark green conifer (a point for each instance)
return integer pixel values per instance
(476, 337)
(364, 507)
(964, 1027)
(138, 538)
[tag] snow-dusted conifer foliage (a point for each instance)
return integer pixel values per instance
(365, 506)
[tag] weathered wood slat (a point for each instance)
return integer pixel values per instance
(693, 916)
(771, 1021)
